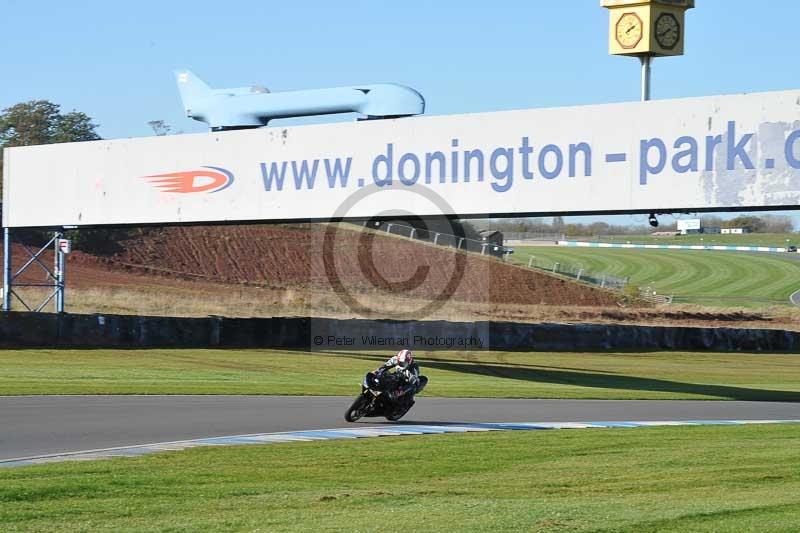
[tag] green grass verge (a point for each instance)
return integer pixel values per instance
(693, 276)
(667, 375)
(661, 479)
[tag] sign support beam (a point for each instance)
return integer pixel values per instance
(54, 278)
(6, 269)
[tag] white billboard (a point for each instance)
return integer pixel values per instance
(692, 154)
(689, 224)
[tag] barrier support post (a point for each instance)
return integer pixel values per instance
(6, 269)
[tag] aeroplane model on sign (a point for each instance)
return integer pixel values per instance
(254, 107)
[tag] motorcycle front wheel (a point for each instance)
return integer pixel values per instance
(358, 409)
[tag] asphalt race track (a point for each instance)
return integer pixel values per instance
(42, 425)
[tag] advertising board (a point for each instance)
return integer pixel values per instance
(725, 152)
(689, 224)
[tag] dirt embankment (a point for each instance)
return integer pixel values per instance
(281, 270)
(296, 256)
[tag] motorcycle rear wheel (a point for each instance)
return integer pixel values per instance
(357, 410)
(400, 413)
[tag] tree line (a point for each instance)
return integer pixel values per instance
(756, 223)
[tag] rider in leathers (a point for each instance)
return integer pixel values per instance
(412, 382)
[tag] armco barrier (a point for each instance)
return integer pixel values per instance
(67, 330)
(721, 248)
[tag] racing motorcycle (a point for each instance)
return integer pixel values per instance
(375, 400)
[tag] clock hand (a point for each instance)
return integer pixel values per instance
(629, 30)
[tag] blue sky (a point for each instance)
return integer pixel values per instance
(115, 61)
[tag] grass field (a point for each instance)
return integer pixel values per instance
(750, 239)
(452, 374)
(693, 276)
(717, 479)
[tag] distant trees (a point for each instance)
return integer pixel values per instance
(778, 224)
(757, 223)
(560, 225)
(160, 128)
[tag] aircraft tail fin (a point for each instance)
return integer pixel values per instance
(192, 88)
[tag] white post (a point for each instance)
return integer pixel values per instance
(483, 249)
(436, 238)
(530, 262)
(411, 235)
(388, 228)
(61, 264)
(580, 271)
(6, 269)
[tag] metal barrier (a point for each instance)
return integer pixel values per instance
(441, 239)
(648, 294)
(530, 236)
(576, 272)
(579, 273)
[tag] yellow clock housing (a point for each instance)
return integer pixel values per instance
(646, 27)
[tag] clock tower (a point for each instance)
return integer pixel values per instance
(646, 27)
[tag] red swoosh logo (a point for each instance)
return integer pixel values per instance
(191, 181)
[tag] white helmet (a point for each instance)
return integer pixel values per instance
(404, 358)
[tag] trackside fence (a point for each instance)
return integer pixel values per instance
(440, 239)
(650, 295)
(583, 244)
(579, 273)
(576, 272)
(523, 237)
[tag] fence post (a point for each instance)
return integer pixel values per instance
(411, 235)
(555, 267)
(388, 228)
(603, 282)
(483, 249)
(460, 240)
(6, 269)
(580, 271)
(530, 261)
(436, 238)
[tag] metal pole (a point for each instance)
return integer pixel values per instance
(6, 269)
(645, 77)
(61, 265)
(56, 268)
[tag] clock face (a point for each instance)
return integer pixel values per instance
(629, 30)
(668, 31)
